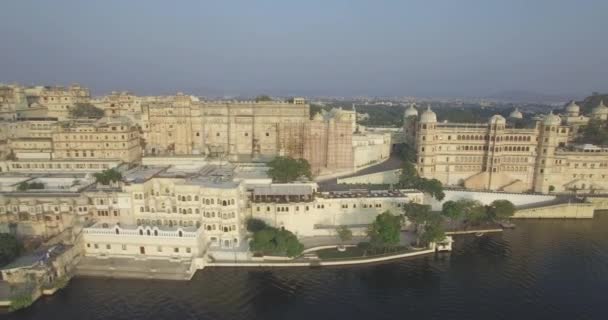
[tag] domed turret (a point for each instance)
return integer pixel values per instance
(552, 119)
(573, 109)
(516, 114)
(497, 119)
(601, 111)
(428, 116)
(411, 111)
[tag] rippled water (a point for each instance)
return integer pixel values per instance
(541, 270)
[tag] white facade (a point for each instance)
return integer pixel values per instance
(327, 210)
(103, 240)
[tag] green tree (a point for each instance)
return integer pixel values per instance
(86, 110)
(24, 186)
(473, 211)
(424, 220)
(9, 248)
(254, 225)
(432, 187)
(287, 169)
(409, 179)
(344, 233)
(595, 132)
(433, 232)
(273, 241)
(407, 153)
(417, 214)
(107, 176)
(500, 210)
(409, 175)
(452, 210)
(385, 231)
(263, 97)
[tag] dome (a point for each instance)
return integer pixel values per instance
(411, 111)
(552, 120)
(497, 119)
(428, 116)
(573, 108)
(601, 109)
(516, 114)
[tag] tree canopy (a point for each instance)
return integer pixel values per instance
(254, 225)
(86, 110)
(409, 178)
(263, 97)
(107, 176)
(24, 186)
(287, 169)
(595, 132)
(428, 224)
(344, 233)
(272, 241)
(9, 248)
(474, 212)
(385, 231)
(500, 209)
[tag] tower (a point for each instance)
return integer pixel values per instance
(426, 139)
(545, 158)
(409, 123)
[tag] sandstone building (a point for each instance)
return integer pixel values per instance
(497, 156)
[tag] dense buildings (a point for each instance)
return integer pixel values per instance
(37, 124)
(498, 156)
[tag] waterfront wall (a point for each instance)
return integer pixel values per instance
(558, 211)
(486, 197)
(315, 263)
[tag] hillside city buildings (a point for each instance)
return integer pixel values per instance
(193, 171)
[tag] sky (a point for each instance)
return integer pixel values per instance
(313, 47)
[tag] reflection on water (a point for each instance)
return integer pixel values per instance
(540, 270)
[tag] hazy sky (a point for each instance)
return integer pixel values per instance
(308, 47)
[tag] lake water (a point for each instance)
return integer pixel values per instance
(541, 270)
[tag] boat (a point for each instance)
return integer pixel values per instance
(478, 234)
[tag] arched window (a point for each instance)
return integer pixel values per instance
(224, 203)
(190, 210)
(156, 232)
(195, 198)
(189, 198)
(180, 233)
(117, 231)
(141, 232)
(148, 232)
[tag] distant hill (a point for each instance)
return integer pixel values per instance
(592, 101)
(529, 96)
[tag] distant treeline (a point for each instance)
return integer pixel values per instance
(392, 116)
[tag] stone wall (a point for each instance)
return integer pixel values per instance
(558, 211)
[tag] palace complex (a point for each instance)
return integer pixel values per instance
(193, 172)
(499, 156)
(37, 125)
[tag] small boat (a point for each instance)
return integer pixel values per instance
(478, 234)
(507, 225)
